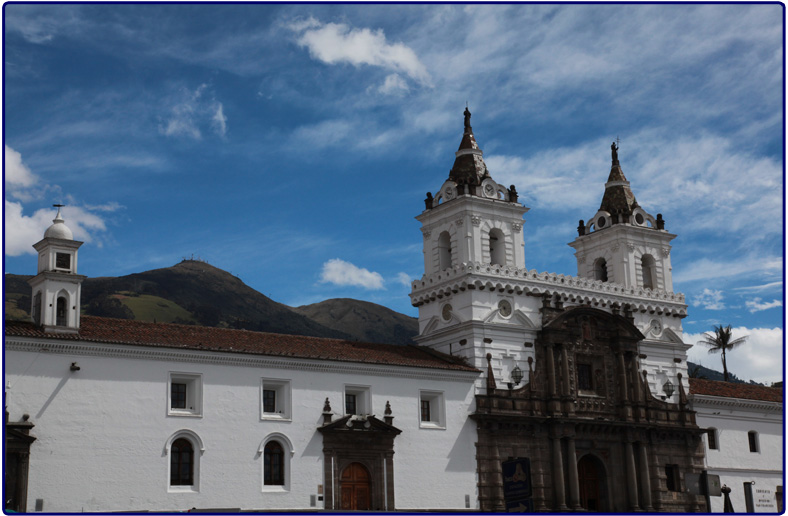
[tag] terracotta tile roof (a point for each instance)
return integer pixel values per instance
(203, 338)
(735, 390)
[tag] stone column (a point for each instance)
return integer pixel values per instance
(566, 391)
(622, 371)
(632, 484)
(639, 400)
(645, 477)
(558, 474)
(574, 481)
(552, 404)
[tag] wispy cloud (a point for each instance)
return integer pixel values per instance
(334, 43)
(755, 304)
(342, 273)
(709, 299)
(193, 111)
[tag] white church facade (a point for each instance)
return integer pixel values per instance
(585, 377)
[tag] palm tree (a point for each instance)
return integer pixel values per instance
(722, 341)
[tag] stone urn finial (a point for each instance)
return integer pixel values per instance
(327, 412)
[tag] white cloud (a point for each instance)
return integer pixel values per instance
(709, 299)
(404, 279)
(755, 305)
(191, 112)
(16, 173)
(340, 272)
(759, 359)
(334, 43)
(22, 231)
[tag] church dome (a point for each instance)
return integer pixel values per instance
(58, 229)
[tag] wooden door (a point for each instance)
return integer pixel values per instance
(590, 484)
(354, 488)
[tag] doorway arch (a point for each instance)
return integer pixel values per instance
(593, 484)
(354, 488)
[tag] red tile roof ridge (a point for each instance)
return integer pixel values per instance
(207, 338)
(735, 390)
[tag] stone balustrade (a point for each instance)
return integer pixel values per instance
(475, 275)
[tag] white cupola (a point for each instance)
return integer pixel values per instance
(57, 288)
(622, 243)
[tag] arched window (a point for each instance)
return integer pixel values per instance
(444, 250)
(711, 435)
(497, 247)
(600, 269)
(37, 308)
(274, 464)
(181, 463)
(61, 315)
(752, 436)
(648, 266)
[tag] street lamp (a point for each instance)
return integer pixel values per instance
(517, 375)
(667, 387)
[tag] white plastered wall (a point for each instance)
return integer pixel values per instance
(102, 432)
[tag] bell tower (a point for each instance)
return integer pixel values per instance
(472, 226)
(57, 288)
(622, 243)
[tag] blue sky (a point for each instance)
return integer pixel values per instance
(292, 145)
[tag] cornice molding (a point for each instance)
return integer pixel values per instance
(126, 351)
(738, 403)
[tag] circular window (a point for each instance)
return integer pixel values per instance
(504, 308)
(446, 312)
(639, 218)
(600, 222)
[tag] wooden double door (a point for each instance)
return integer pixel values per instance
(354, 488)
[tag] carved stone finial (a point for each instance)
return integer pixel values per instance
(490, 377)
(660, 221)
(327, 412)
(428, 201)
(387, 412)
(581, 228)
(387, 417)
(512, 194)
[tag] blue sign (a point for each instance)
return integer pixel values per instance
(516, 480)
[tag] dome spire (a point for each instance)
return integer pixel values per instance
(469, 167)
(58, 229)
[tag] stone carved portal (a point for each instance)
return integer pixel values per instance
(354, 488)
(358, 456)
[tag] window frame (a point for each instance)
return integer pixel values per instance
(197, 450)
(712, 437)
(436, 400)
(753, 441)
(287, 453)
(193, 382)
(363, 399)
(282, 399)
